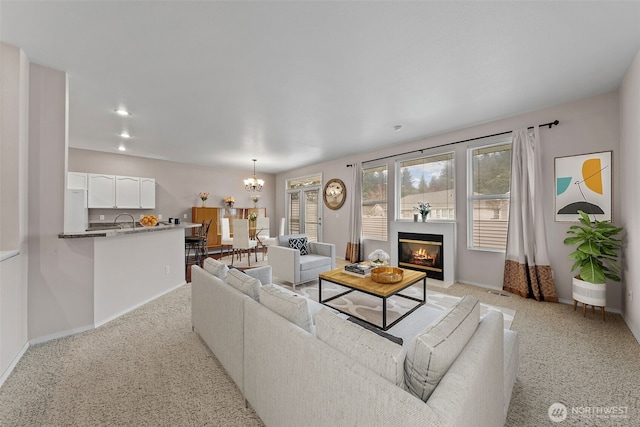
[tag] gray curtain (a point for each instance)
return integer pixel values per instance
(355, 217)
(527, 271)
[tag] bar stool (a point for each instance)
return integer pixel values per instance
(198, 244)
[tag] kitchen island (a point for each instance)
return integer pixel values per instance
(126, 268)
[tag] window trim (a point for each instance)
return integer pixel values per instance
(388, 218)
(398, 183)
(483, 143)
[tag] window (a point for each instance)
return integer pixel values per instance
(489, 178)
(430, 180)
(374, 203)
(303, 209)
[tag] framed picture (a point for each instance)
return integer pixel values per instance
(583, 183)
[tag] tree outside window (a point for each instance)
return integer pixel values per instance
(374, 203)
(490, 172)
(430, 180)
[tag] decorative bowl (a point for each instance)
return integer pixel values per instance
(148, 221)
(387, 274)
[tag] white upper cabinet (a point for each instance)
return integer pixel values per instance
(121, 192)
(102, 190)
(76, 181)
(127, 192)
(147, 193)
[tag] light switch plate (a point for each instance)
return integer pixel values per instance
(185, 216)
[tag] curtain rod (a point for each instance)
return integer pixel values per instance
(555, 122)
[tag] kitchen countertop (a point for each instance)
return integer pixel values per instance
(120, 232)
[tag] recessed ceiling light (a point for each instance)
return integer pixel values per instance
(122, 112)
(122, 148)
(125, 134)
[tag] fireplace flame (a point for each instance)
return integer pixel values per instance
(422, 257)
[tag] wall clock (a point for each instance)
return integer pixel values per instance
(334, 194)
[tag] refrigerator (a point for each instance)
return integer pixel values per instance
(76, 213)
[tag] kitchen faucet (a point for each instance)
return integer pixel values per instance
(133, 221)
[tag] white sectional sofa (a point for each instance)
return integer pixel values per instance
(304, 365)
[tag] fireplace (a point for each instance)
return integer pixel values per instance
(422, 252)
(447, 258)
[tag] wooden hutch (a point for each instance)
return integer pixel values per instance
(215, 214)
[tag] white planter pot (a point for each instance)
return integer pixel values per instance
(589, 293)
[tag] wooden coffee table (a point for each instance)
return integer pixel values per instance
(381, 290)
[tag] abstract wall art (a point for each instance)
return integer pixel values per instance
(583, 183)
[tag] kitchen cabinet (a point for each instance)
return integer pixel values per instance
(147, 193)
(102, 190)
(215, 215)
(127, 192)
(121, 192)
(76, 181)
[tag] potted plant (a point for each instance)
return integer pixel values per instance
(595, 256)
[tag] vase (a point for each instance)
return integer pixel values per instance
(424, 217)
(415, 217)
(204, 202)
(230, 204)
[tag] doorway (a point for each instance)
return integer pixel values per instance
(304, 211)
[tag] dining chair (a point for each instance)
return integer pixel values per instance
(262, 235)
(198, 244)
(226, 240)
(241, 240)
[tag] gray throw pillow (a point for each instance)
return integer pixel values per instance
(433, 351)
(215, 267)
(291, 306)
(245, 284)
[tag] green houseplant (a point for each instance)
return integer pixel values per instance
(596, 256)
(596, 252)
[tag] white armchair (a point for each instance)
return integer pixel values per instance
(287, 264)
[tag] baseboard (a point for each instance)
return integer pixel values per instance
(481, 285)
(41, 340)
(115, 316)
(635, 332)
(13, 363)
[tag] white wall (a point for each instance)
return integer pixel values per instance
(60, 298)
(177, 184)
(13, 219)
(586, 126)
(629, 162)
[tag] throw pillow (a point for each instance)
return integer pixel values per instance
(301, 244)
(245, 284)
(290, 306)
(215, 267)
(377, 331)
(432, 352)
(365, 347)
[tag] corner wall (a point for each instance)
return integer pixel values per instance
(60, 299)
(14, 116)
(629, 201)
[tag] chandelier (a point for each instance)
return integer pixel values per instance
(253, 184)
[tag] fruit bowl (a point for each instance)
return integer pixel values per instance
(387, 274)
(149, 221)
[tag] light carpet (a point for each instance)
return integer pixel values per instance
(149, 368)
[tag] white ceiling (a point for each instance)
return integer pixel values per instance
(297, 83)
